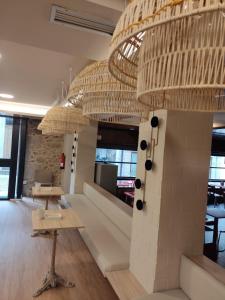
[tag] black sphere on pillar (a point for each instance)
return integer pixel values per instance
(155, 122)
(138, 183)
(148, 165)
(143, 145)
(140, 204)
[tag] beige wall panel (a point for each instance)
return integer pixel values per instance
(85, 158)
(175, 194)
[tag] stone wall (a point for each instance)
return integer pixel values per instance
(42, 153)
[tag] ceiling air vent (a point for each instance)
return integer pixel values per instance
(80, 20)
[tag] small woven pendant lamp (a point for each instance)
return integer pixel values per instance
(104, 98)
(174, 52)
(75, 100)
(62, 120)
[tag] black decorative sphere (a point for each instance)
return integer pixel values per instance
(143, 145)
(140, 205)
(148, 165)
(138, 183)
(155, 122)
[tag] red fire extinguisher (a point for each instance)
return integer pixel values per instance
(62, 160)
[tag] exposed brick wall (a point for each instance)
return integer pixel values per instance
(42, 153)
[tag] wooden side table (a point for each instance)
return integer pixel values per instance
(47, 193)
(69, 220)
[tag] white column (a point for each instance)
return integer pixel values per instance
(175, 192)
(84, 160)
(67, 149)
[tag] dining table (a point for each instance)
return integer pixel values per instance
(48, 194)
(55, 221)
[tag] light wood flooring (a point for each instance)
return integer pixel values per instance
(24, 261)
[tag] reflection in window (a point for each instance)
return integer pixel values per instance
(125, 160)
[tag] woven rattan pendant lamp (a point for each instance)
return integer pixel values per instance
(104, 98)
(63, 120)
(174, 52)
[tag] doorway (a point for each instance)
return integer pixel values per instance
(12, 154)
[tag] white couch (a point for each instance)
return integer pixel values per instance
(196, 284)
(107, 226)
(107, 235)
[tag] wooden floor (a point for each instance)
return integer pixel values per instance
(24, 260)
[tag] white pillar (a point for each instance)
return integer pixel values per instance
(84, 160)
(175, 192)
(67, 150)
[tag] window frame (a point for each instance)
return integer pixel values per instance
(216, 168)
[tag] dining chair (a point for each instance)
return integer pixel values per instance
(45, 178)
(208, 226)
(218, 241)
(218, 194)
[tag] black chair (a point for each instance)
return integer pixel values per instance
(211, 197)
(218, 194)
(208, 225)
(218, 241)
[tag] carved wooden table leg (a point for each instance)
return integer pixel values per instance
(52, 279)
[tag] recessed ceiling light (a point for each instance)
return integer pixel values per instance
(23, 108)
(6, 96)
(0, 55)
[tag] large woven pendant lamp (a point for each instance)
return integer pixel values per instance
(174, 52)
(62, 120)
(104, 98)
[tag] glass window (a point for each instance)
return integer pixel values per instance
(217, 168)
(125, 160)
(4, 181)
(6, 127)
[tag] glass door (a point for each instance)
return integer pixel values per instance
(4, 182)
(9, 136)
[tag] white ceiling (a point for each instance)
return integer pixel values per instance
(37, 55)
(219, 120)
